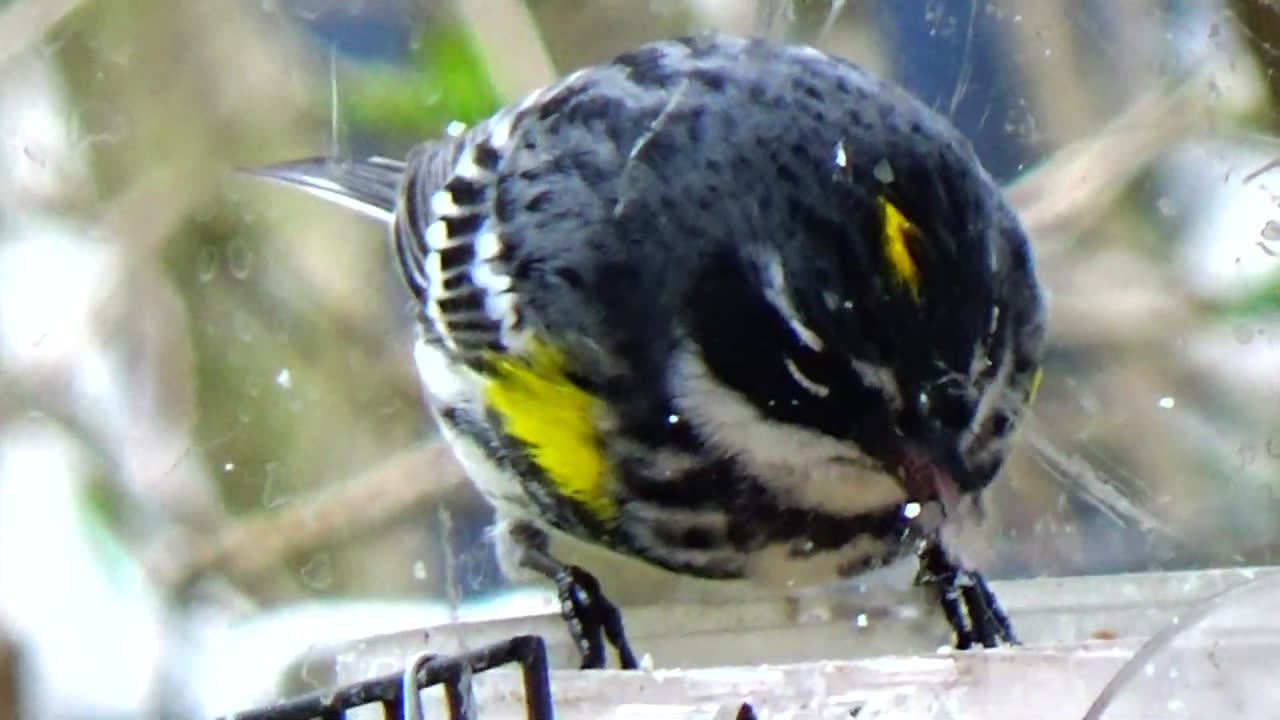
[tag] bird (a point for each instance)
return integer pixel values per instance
(733, 309)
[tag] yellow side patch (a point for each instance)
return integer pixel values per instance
(894, 234)
(1035, 384)
(541, 406)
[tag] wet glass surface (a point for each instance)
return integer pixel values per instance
(211, 425)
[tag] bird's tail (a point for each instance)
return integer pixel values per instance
(369, 186)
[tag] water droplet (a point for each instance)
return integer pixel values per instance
(1149, 669)
(466, 708)
(284, 379)
(842, 158)
(419, 570)
(1271, 231)
(664, 8)
(1167, 402)
(911, 510)
(97, 123)
(313, 671)
(229, 467)
(274, 492)
(309, 9)
(318, 572)
(431, 93)
(207, 263)
(242, 326)
(455, 128)
(393, 404)
(883, 172)
(239, 259)
(672, 419)
(861, 621)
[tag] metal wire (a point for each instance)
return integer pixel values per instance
(398, 693)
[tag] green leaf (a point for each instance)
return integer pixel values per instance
(446, 81)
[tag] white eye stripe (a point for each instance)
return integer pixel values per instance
(812, 386)
(778, 295)
(814, 470)
(881, 378)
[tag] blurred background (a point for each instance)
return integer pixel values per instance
(213, 452)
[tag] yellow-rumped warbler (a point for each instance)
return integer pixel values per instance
(734, 309)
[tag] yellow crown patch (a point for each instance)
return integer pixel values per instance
(895, 229)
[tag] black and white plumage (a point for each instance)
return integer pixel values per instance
(731, 309)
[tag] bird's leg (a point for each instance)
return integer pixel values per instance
(591, 617)
(970, 607)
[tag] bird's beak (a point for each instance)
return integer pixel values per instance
(932, 470)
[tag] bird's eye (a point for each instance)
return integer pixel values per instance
(949, 404)
(958, 413)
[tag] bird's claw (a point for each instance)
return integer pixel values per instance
(971, 609)
(592, 619)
